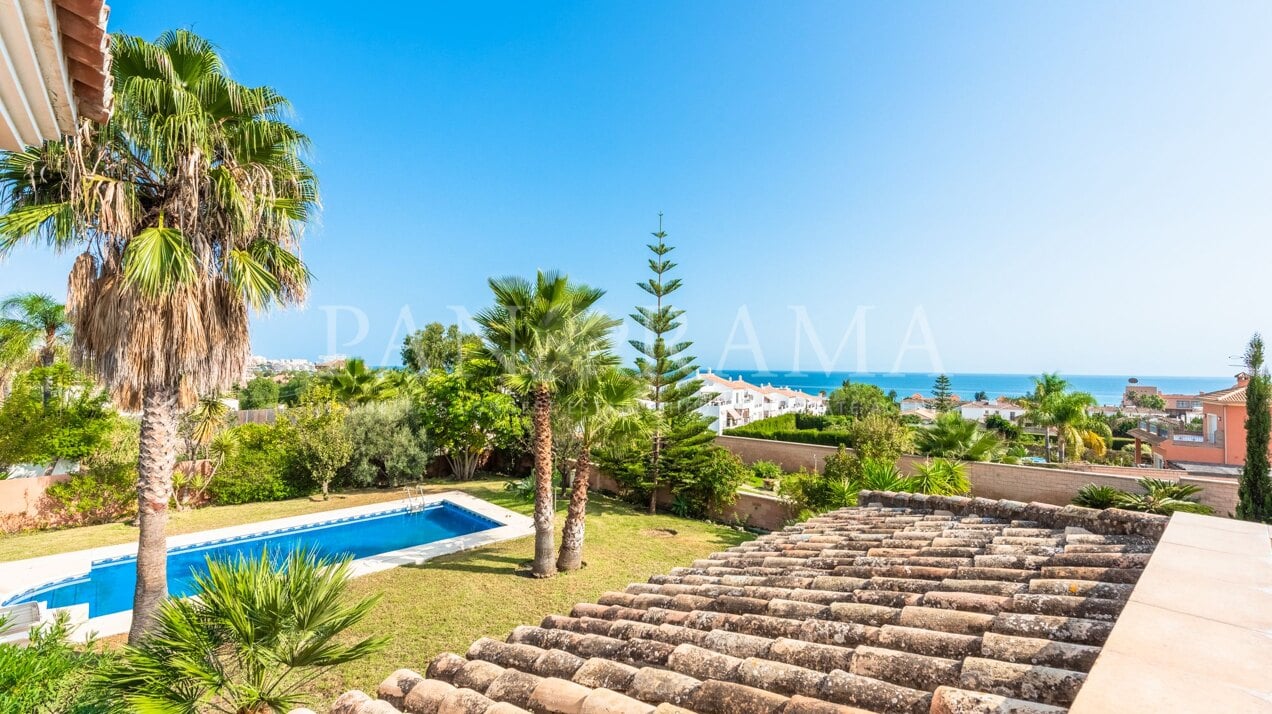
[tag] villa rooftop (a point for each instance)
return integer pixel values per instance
(909, 604)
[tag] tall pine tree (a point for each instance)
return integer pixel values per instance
(666, 368)
(1254, 494)
(942, 394)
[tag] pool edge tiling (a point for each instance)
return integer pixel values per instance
(22, 576)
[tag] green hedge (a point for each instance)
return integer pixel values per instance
(801, 436)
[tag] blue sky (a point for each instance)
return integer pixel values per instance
(1073, 186)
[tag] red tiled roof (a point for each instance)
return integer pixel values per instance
(911, 604)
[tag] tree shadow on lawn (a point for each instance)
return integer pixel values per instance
(475, 561)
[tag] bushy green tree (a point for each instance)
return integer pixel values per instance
(679, 432)
(319, 443)
(389, 445)
(437, 347)
(292, 392)
(858, 399)
(260, 392)
(880, 436)
(260, 469)
(1254, 493)
(52, 413)
(466, 416)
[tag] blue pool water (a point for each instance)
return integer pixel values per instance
(108, 587)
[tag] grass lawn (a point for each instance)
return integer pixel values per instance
(448, 602)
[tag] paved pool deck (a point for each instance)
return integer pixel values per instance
(20, 576)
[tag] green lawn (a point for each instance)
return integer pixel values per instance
(447, 603)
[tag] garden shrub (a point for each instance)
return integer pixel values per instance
(260, 469)
(388, 448)
(711, 484)
(105, 489)
(92, 497)
(49, 674)
(766, 470)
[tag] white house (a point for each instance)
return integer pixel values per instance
(1005, 408)
(735, 402)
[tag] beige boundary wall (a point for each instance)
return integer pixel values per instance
(997, 481)
(750, 509)
(21, 496)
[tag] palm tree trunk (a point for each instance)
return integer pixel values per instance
(544, 552)
(1046, 442)
(571, 557)
(154, 491)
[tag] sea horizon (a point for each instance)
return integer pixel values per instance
(1106, 388)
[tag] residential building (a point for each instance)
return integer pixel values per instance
(735, 402)
(1003, 407)
(54, 68)
(1217, 446)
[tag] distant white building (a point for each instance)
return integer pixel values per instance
(1005, 408)
(257, 364)
(735, 402)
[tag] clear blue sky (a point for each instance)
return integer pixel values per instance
(1064, 186)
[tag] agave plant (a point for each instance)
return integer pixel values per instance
(255, 635)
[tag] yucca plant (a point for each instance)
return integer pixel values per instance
(256, 633)
(1096, 496)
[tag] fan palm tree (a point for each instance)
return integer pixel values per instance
(187, 208)
(33, 329)
(355, 383)
(954, 437)
(603, 407)
(257, 632)
(542, 335)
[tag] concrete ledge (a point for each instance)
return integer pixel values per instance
(1196, 634)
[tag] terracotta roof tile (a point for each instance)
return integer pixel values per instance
(909, 604)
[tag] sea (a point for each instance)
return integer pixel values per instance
(1106, 388)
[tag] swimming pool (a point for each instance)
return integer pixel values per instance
(376, 537)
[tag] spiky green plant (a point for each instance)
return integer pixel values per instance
(256, 633)
(1097, 496)
(941, 477)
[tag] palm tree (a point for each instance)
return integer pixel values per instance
(541, 336)
(602, 407)
(31, 326)
(255, 635)
(188, 207)
(1045, 386)
(1067, 412)
(952, 436)
(355, 383)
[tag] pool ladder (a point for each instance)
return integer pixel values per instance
(414, 498)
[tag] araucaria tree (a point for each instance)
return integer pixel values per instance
(665, 367)
(942, 394)
(1254, 495)
(187, 207)
(544, 335)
